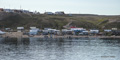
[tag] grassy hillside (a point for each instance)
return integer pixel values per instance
(13, 20)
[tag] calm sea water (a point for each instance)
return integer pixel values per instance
(59, 49)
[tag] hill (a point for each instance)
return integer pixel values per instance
(89, 21)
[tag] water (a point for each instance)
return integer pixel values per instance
(59, 49)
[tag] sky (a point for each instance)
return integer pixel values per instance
(100, 7)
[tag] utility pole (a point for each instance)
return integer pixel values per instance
(20, 7)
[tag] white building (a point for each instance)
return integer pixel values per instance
(114, 28)
(107, 30)
(33, 32)
(20, 29)
(1, 32)
(73, 29)
(33, 28)
(94, 31)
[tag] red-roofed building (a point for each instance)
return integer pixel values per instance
(72, 27)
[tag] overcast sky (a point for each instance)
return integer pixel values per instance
(101, 7)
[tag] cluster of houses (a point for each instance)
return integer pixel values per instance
(71, 31)
(56, 13)
(14, 10)
(27, 11)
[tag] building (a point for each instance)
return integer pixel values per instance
(17, 11)
(8, 10)
(107, 30)
(57, 32)
(116, 32)
(94, 31)
(1, 32)
(25, 11)
(33, 28)
(67, 32)
(33, 32)
(77, 30)
(51, 31)
(8, 29)
(46, 28)
(49, 13)
(73, 29)
(59, 13)
(20, 29)
(84, 33)
(114, 28)
(47, 31)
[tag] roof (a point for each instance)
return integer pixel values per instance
(20, 27)
(32, 27)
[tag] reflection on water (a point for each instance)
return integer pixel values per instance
(59, 49)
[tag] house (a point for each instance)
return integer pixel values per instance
(17, 11)
(1, 32)
(94, 31)
(51, 31)
(73, 29)
(57, 32)
(45, 32)
(33, 32)
(114, 28)
(1, 9)
(77, 30)
(20, 29)
(84, 33)
(49, 13)
(54, 31)
(107, 30)
(7, 29)
(8, 10)
(116, 32)
(25, 11)
(66, 31)
(59, 13)
(46, 28)
(33, 28)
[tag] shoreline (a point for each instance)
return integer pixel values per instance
(20, 35)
